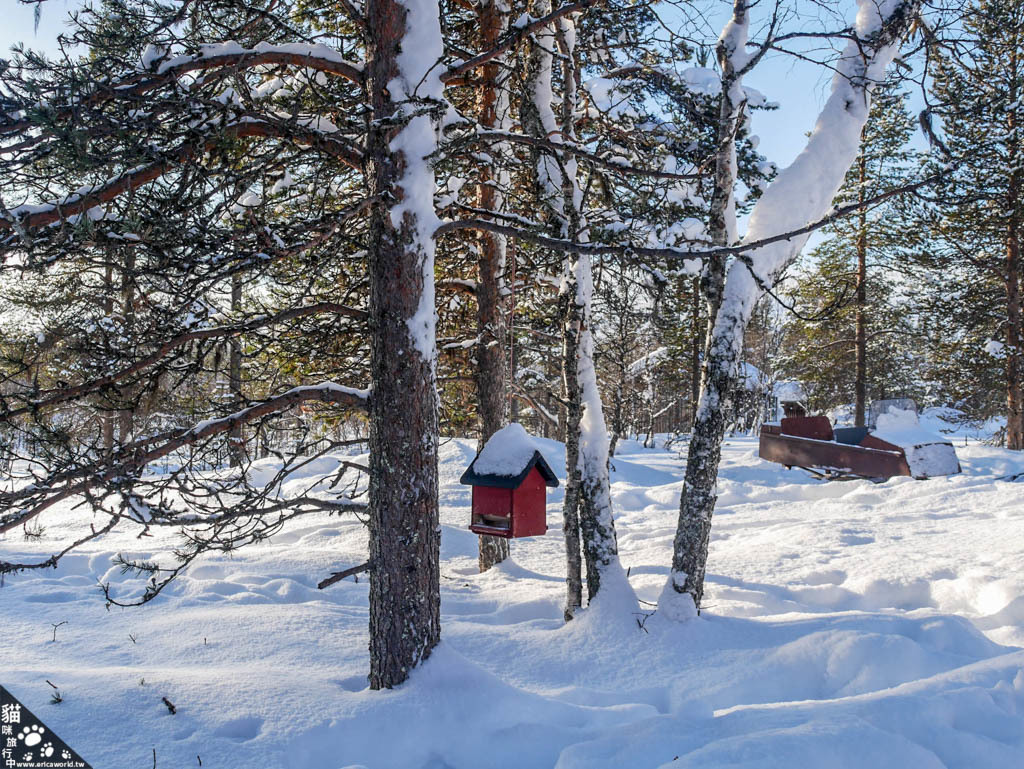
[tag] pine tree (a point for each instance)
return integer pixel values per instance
(974, 226)
(848, 344)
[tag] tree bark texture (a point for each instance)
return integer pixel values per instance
(537, 118)
(586, 426)
(695, 367)
(1014, 415)
(127, 417)
(861, 334)
(587, 506)
(404, 601)
(722, 211)
(571, 322)
(492, 332)
(1014, 395)
(697, 502)
(106, 415)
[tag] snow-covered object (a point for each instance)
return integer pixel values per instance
(150, 54)
(648, 362)
(675, 604)
(995, 348)
(507, 452)
(789, 392)
(799, 195)
(928, 455)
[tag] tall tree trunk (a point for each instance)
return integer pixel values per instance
(586, 426)
(537, 118)
(689, 552)
(492, 333)
(860, 381)
(106, 415)
(695, 352)
(587, 484)
(1014, 396)
(651, 400)
(722, 210)
(617, 400)
(600, 545)
(405, 617)
(1014, 415)
(571, 321)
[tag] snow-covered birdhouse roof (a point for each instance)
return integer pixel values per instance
(507, 458)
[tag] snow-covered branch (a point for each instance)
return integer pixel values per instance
(133, 457)
(49, 398)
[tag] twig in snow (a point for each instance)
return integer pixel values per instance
(170, 705)
(641, 623)
(55, 626)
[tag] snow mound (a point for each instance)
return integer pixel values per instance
(928, 455)
(507, 452)
(675, 605)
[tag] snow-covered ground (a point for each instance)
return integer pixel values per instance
(847, 624)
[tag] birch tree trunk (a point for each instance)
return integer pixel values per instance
(492, 249)
(405, 623)
(538, 119)
(801, 193)
(695, 366)
(587, 432)
(722, 212)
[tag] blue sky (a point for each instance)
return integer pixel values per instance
(18, 26)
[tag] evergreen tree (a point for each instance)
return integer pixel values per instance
(848, 342)
(974, 223)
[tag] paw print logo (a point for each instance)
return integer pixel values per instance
(65, 755)
(47, 750)
(31, 735)
(27, 757)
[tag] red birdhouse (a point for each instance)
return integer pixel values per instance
(509, 479)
